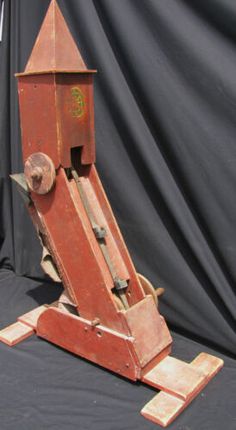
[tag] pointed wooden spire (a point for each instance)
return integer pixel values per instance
(55, 49)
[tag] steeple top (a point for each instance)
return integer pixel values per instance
(55, 49)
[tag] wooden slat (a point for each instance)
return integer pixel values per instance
(15, 333)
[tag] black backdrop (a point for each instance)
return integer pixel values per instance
(165, 105)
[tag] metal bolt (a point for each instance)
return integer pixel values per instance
(95, 322)
(36, 174)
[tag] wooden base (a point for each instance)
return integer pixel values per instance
(31, 317)
(178, 381)
(98, 344)
(15, 333)
(180, 384)
(23, 328)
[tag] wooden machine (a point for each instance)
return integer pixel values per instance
(108, 312)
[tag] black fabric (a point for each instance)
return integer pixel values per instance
(165, 133)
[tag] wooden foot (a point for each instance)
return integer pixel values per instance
(31, 318)
(23, 328)
(180, 383)
(15, 333)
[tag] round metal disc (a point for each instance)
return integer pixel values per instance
(40, 173)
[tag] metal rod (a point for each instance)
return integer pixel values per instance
(100, 233)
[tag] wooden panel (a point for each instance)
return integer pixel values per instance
(38, 116)
(97, 344)
(74, 101)
(134, 291)
(54, 49)
(149, 330)
(77, 253)
(99, 215)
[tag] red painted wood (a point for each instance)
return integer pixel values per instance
(55, 48)
(75, 116)
(134, 291)
(148, 329)
(74, 245)
(98, 344)
(99, 213)
(57, 113)
(38, 116)
(165, 407)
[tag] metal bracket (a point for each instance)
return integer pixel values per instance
(100, 232)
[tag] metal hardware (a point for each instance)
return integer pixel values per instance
(95, 322)
(100, 233)
(39, 173)
(120, 284)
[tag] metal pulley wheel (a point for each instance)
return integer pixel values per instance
(149, 289)
(40, 173)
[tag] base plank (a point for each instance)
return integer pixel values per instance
(179, 384)
(15, 333)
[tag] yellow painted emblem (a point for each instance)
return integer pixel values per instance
(78, 105)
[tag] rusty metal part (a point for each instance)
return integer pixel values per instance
(123, 298)
(118, 302)
(100, 233)
(40, 173)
